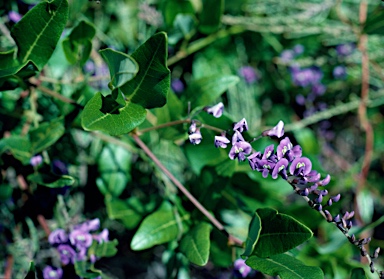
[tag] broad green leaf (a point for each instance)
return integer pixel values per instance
(253, 235)
(112, 183)
(196, 244)
(205, 91)
(120, 121)
(210, 17)
(45, 135)
(285, 266)
(157, 228)
(31, 272)
(127, 211)
(150, 86)
(83, 31)
(85, 270)
(358, 273)
(279, 233)
(122, 67)
(183, 27)
(365, 205)
(375, 22)
(307, 140)
(38, 32)
(172, 8)
(19, 147)
(51, 180)
(106, 249)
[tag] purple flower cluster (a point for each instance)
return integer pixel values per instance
(73, 246)
(249, 74)
(308, 77)
(288, 55)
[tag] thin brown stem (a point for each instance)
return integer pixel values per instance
(8, 267)
(181, 187)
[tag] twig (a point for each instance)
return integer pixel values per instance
(181, 187)
(8, 267)
(43, 224)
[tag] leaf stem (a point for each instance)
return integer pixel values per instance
(181, 187)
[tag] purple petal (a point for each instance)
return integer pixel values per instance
(268, 151)
(50, 272)
(58, 236)
(300, 166)
(277, 131)
(221, 141)
(280, 166)
(241, 126)
(216, 110)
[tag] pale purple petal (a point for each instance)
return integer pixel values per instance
(241, 126)
(216, 110)
(221, 141)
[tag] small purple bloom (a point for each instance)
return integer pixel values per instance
(241, 126)
(318, 89)
(336, 198)
(253, 160)
(50, 272)
(177, 85)
(287, 55)
(240, 266)
(80, 239)
(280, 167)
(216, 110)
(58, 236)
(90, 225)
(300, 166)
(325, 181)
(284, 145)
(67, 254)
(237, 136)
(221, 141)
(239, 150)
(196, 137)
(249, 74)
(268, 151)
(298, 49)
(345, 49)
(14, 16)
(297, 151)
(192, 129)
(277, 131)
(265, 167)
(339, 72)
(307, 76)
(300, 99)
(102, 237)
(36, 160)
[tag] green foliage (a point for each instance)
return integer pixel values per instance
(284, 266)
(358, 273)
(32, 271)
(210, 17)
(195, 244)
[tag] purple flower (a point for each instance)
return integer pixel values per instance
(90, 225)
(177, 85)
(67, 254)
(318, 89)
(50, 272)
(280, 167)
(221, 141)
(307, 76)
(268, 151)
(254, 160)
(298, 49)
(14, 16)
(339, 72)
(239, 150)
(300, 166)
(241, 126)
(277, 131)
(345, 49)
(283, 147)
(58, 236)
(196, 137)
(102, 237)
(216, 110)
(249, 74)
(240, 266)
(192, 129)
(80, 239)
(287, 55)
(36, 160)
(265, 167)
(300, 99)
(237, 136)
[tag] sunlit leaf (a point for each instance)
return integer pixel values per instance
(253, 234)
(284, 266)
(19, 147)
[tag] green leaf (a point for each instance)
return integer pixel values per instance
(279, 233)
(38, 32)
(285, 266)
(78, 46)
(174, 7)
(205, 91)
(120, 121)
(307, 140)
(45, 135)
(375, 22)
(84, 269)
(365, 204)
(253, 235)
(5, 191)
(157, 228)
(122, 67)
(51, 180)
(106, 249)
(210, 17)
(150, 86)
(127, 211)
(32, 271)
(196, 244)
(358, 273)
(19, 147)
